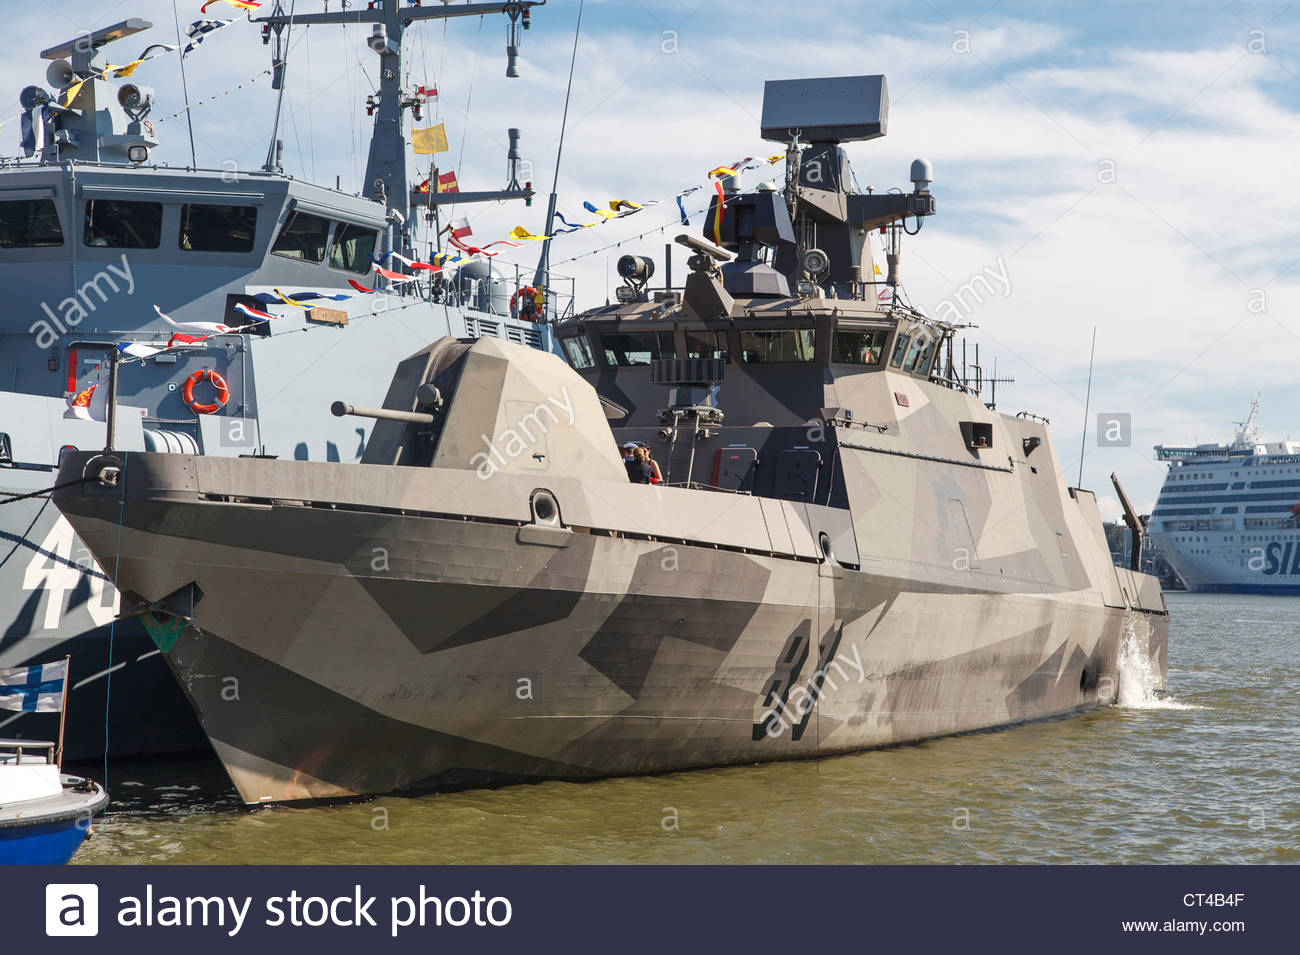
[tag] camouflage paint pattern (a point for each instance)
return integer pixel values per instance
(361, 628)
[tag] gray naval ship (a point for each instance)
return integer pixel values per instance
(848, 547)
(94, 233)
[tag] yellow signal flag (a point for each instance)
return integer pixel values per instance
(122, 72)
(72, 92)
(519, 232)
(287, 300)
(432, 139)
(877, 268)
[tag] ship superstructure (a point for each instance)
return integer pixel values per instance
(96, 240)
(1228, 515)
(848, 548)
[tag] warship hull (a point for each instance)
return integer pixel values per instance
(59, 603)
(337, 647)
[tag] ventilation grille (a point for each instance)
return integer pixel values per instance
(687, 371)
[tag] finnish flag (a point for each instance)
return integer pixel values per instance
(34, 689)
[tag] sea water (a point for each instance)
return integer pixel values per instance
(1206, 772)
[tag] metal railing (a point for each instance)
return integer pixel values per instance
(11, 750)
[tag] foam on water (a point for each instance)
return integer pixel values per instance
(1139, 675)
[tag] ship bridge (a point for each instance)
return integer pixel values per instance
(786, 339)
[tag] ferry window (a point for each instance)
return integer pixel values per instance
(303, 237)
(625, 350)
(706, 345)
(858, 348)
(114, 224)
(353, 247)
(218, 228)
(796, 344)
(579, 352)
(900, 349)
(29, 224)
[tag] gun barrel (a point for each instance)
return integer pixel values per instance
(339, 409)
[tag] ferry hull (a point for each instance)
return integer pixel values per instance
(334, 653)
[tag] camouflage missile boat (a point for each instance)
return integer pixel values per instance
(848, 547)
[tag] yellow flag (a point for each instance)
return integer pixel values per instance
(72, 92)
(430, 140)
(287, 300)
(519, 232)
(620, 204)
(773, 160)
(877, 268)
(123, 71)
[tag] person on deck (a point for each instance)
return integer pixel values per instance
(657, 476)
(638, 467)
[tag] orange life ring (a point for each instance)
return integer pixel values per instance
(530, 294)
(223, 392)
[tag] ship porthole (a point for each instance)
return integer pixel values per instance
(545, 508)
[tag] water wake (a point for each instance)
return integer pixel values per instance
(1139, 675)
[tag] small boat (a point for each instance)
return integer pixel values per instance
(44, 813)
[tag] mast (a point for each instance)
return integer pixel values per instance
(542, 279)
(387, 178)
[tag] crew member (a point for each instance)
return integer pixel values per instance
(638, 468)
(657, 476)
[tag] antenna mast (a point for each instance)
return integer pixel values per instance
(386, 178)
(542, 279)
(1087, 406)
(273, 151)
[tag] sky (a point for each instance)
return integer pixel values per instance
(1126, 165)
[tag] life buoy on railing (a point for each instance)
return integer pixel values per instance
(534, 302)
(205, 374)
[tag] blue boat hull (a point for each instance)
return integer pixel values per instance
(42, 843)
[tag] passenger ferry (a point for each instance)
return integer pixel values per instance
(1228, 515)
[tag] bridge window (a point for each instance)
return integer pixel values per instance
(116, 224)
(353, 247)
(29, 224)
(704, 344)
(918, 356)
(579, 352)
(218, 228)
(858, 348)
(303, 237)
(627, 350)
(794, 344)
(900, 349)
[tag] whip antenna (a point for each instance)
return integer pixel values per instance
(542, 279)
